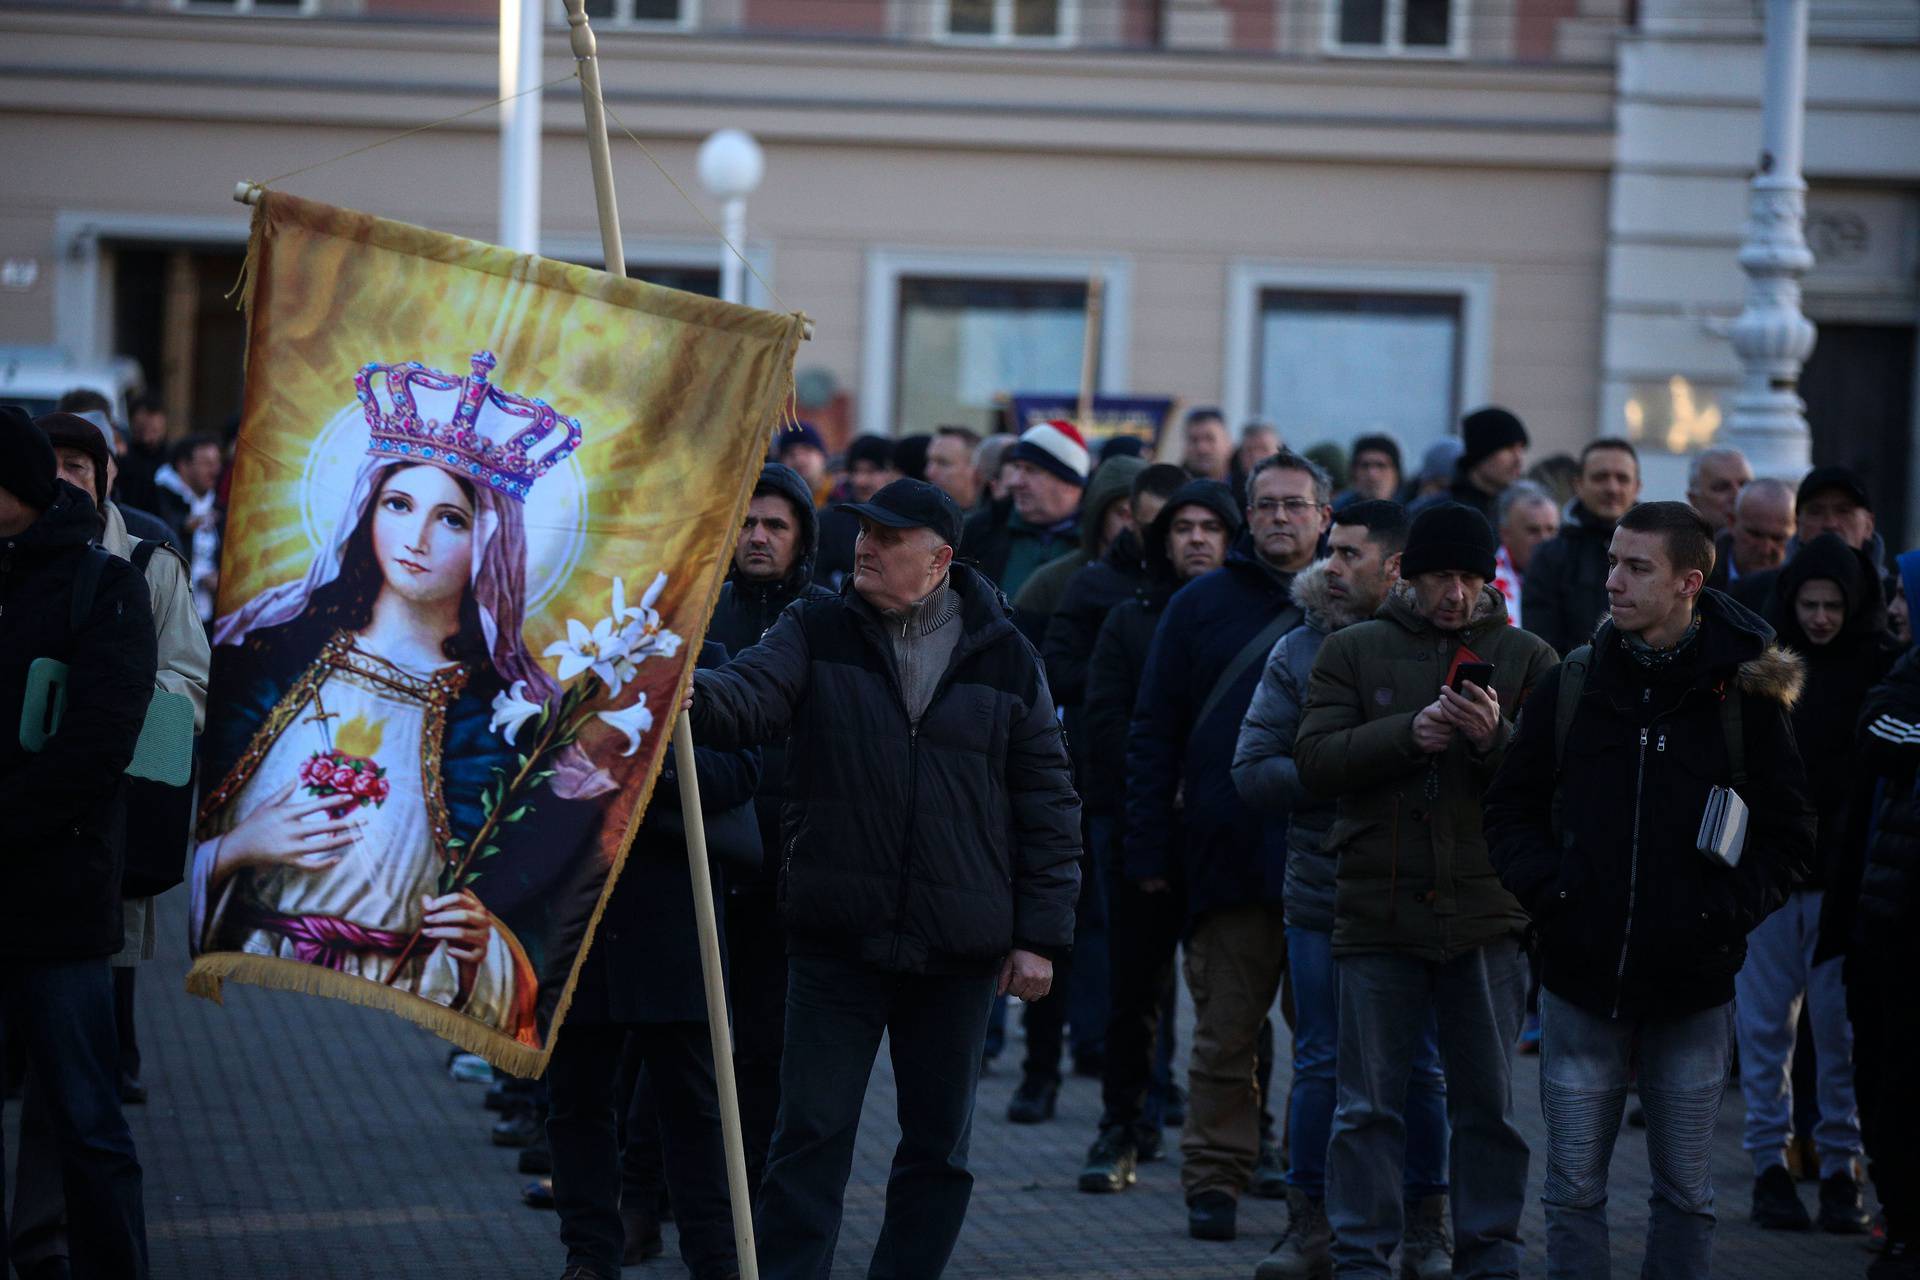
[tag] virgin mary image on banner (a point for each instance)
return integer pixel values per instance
(427, 746)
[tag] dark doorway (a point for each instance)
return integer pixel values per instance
(1859, 392)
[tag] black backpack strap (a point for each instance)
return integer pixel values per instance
(143, 553)
(1573, 683)
(86, 585)
(1733, 726)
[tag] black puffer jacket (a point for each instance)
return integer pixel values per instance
(1633, 921)
(929, 849)
(1873, 899)
(1566, 587)
(60, 807)
(1090, 597)
(1839, 674)
(742, 615)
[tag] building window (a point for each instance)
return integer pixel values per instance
(1007, 21)
(965, 344)
(638, 13)
(1431, 28)
(283, 7)
(1332, 365)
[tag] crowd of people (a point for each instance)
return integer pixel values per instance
(1402, 772)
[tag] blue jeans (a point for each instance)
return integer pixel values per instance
(837, 1010)
(64, 1011)
(1585, 1066)
(1316, 1040)
(1386, 1002)
(1777, 985)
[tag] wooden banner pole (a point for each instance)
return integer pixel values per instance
(1090, 353)
(584, 54)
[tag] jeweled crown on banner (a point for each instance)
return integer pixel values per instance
(465, 424)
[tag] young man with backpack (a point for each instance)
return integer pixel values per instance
(1616, 782)
(63, 599)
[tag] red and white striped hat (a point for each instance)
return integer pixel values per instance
(1057, 447)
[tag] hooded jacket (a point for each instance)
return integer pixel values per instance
(1838, 676)
(1413, 875)
(933, 847)
(1264, 772)
(1758, 591)
(1119, 656)
(743, 613)
(1565, 591)
(1045, 591)
(1182, 808)
(1633, 921)
(60, 807)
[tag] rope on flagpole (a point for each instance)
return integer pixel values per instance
(485, 106)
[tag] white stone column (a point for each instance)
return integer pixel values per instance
(1771, 336)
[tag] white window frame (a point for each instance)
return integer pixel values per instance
(623, 19)
(1002, 34)
(664, 252)
(880, 369)
(1393, 43)
(304, 9)
(1247, 280)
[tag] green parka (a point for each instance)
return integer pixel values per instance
(1413, 874)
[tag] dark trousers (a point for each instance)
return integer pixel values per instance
(936, 1025)
(1886, 1043)
(757, 974)
(63, 1013)
(583, 1128)
(643, 1159)
(1145, 931)
(123, 976)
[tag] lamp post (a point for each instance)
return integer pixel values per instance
(521, 28)
(1772, 337)
(731, 165)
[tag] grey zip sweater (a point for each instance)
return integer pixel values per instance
(923, 636)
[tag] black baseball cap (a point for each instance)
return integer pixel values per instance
(1822, 479)
(912, 504)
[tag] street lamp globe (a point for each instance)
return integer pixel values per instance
(731, 164)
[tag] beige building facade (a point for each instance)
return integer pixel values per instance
(1339, 215)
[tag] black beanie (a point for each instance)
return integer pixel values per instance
(1487, 431)
(1449, 536)
(27, 466)
(1379, 443)
(70, 430)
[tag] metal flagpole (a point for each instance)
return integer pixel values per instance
(521, 27)
(584, 54)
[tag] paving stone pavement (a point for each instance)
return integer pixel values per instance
(294, 1137)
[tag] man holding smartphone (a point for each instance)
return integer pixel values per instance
(1422, 928)
(1643, 911)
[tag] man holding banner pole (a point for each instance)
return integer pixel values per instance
(930, 862)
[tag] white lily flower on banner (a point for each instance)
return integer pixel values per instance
(634, 721)
(511, 709)
(646, 634)
(622, 612)
(598, 650)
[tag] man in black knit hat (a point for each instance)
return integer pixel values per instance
(1405, 725)
(1494, 455)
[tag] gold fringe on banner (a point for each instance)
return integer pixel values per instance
(211, 970)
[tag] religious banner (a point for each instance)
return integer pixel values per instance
(482, 504)
(1139, 416)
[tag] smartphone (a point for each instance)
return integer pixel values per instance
(1480, 673)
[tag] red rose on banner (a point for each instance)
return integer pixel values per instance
(357, 779)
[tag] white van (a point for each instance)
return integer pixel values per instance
(36, 377)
